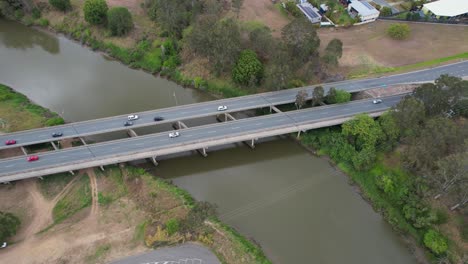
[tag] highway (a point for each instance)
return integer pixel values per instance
(190, 139)
(179, 113)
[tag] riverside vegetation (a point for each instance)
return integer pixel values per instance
(411, 163)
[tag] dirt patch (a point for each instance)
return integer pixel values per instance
(265, 12)
(369, 44)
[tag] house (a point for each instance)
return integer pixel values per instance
(446, 8)
(364, 10)
(310, 12)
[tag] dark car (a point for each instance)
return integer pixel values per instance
(128, 123)
(158, 118)
(57, 134)
(10, 142)
(33, 158)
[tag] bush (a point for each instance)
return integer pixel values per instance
(119, 21)
(293, 9)
(385, 11)
(436, 242)
(399, 31)
(342, 96)
(172, 226)
(36, 13)
(248, 69)
(9, 224)
(461, 108)
(62, 5)
(43, 22)
(55, 121)
(95, 11)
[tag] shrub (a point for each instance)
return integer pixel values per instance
(385, 11)
(119, 21)
(248, 69)
(399, 31)
(9, 224)
(172, 226)
(36, 13)
(95, 11)
(62, 5)
(28, 21)
(55, 121)
(293, 9)
(342, 96)
(43, 22)
(436, 242)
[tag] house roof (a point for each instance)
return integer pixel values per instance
(448, 8)
(363, 8)
(309, 10)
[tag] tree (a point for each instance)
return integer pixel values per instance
(435, 99)
(262, 42)
(9, 224)
(62, 5)
(451, 172)
(333, 52)
(461, 108)
(317, 95)
(455, 87)
(248, 69)
(435, 241)
(172, 16)
(301, 39)
(301, 98)
(342, 96)
(409, 115)
(95, 11)
(399, 31)
(278, 73)
(331, 96)
(386, 11)
(390, 130)
(119, 21)
(237, 5)
(362, 132)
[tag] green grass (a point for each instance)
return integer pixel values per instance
(281, 9)
(99, 253)
(374, 69)
(18, 113)
(119, 188)
(52, 185)
(78, 198)
(140, 231)
(157, 183)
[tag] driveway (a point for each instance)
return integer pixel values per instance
(188, 253)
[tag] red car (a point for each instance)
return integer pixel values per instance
(10, 142)
(33, 158)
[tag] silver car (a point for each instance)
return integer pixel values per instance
(174, 134)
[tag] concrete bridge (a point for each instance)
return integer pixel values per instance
(191, 111)
(198, 138)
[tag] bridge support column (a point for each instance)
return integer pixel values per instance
(203, 152)
(6, 182)
(154, 161)
(102, 168)
(132, 133)
(179, 125)
(56, 148)
(24, 151)
(298, 134)
(40, 177)
(82, 141)
(274, 108)
(250, 143)
(228, 116)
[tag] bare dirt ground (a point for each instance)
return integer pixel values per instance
(76, 240)
(265, 12)
(369, 44)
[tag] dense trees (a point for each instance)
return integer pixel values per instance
(8, 225)
(95, 11)
(333, 52)
(119, 21)
(318, 95)
(173, 16)
(301, 40)
(62, 5)
(248, 69)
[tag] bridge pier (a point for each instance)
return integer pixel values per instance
(274, 108)
(132, 133)
(82, 141)
(24, 151)
(179, 125)
(250, 144)
(203, 152)
(57, 148)
(228, 116)
(154, 161)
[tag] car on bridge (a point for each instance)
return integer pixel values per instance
(57, 134)
(174, 134)
(132, 117)
(377, 101)
(158, 118)
(10, 142)
(128, 123)
(33, 158)
(222, 108)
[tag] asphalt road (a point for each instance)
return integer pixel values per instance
(129, 147)
(183, 254)
(103, 125)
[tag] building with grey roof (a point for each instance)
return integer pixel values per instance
(310, 12)
(364, 10)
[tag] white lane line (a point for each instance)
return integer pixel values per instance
(8, 166)
(235, 127)
(211, 132)
(188, 136)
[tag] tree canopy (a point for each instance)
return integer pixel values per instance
(248, 69)
(9, 224)
(119, 21)
(301, 39)
(95, 11)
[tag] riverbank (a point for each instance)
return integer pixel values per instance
(94, 208)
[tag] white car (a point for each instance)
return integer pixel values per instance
(377, 101)
(4, 245)
(132, 117)
(222, 108)
(174, 134)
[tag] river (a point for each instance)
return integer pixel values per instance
(298, 207)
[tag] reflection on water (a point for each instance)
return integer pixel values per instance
(11, 37)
